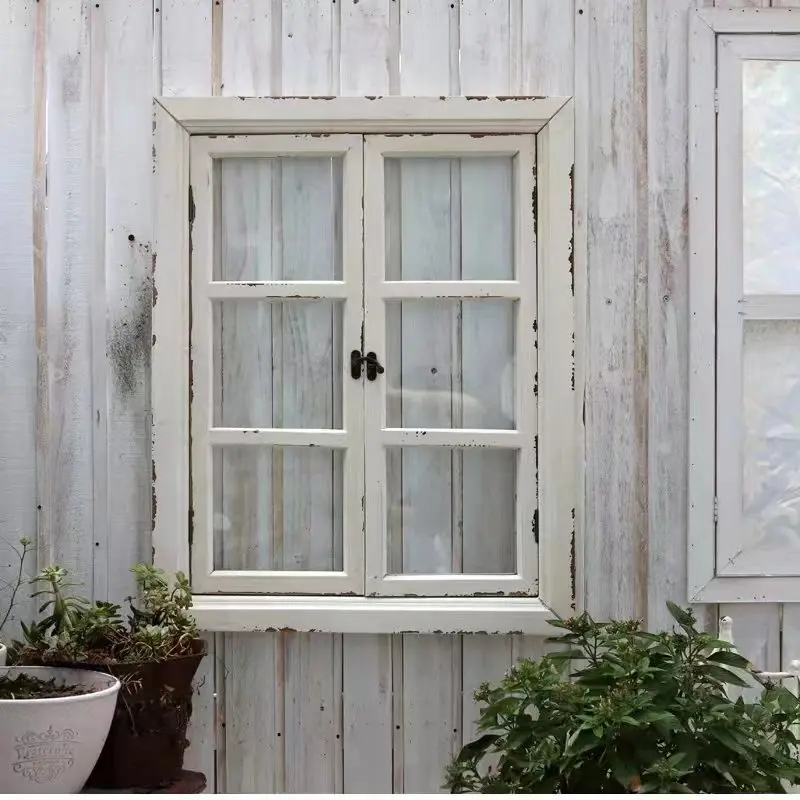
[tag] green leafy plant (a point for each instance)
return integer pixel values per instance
(159, 625)
(622, 710)
(13, 586)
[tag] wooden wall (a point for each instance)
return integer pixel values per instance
(315, 712)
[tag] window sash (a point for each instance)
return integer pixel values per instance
(204, 435)
(522, 291)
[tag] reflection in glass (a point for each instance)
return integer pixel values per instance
(771, 176)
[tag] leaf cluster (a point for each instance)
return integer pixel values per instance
(619, 709)
(159, 625)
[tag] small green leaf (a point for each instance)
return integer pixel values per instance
(730, 659)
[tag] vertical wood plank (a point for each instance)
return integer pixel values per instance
(128, 40)
(616, 358)
(367, 714)
(186, 47)
(310, 47)
(429, 47)
(668, 301)
(486, 658)
(201, 753)
(247, 48)
(785, 3)
(312, 712)
(486, 50)
(70, 288)
(790, 635)
(369, 54)
(548, 65)
(253, 718)
(756, 632)
(18, 39)
(431, 710)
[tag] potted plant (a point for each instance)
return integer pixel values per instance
(621, 710)
(155, 654)
(53, 721)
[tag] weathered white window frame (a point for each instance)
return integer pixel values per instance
(717, 45)
(552, 120)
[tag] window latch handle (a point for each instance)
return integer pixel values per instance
(374, 367)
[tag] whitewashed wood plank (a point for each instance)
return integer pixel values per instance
(485, 54)
(128, 40)
(785, 3)
(312, 712)
(756, 632)
(201, 734)
(369, 54)
(247, 56)
(485, 658)
(18, 323)
(253, 715)
(186, 47)
(616, 374)
(431, 710)
(428, 47)
(790, 635)
(547, 39)
(367, 714)
(70, 288)
(310, 47)
(668, 302)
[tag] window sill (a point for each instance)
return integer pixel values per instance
(500, 615)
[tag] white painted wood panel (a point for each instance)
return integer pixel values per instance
(616, 359)
(18, 323)
(124, 328)
(71, 292)
(186, 47)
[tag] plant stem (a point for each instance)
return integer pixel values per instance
(18, 583)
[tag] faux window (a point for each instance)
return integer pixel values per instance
(745, 290)
(377, 325)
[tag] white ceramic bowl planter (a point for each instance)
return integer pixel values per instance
(50, 745)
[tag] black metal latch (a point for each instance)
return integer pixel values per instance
(374, 367)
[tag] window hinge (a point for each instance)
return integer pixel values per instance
(716, 511)
(716, 101)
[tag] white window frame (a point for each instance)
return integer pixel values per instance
(719, 39)
(552, 120)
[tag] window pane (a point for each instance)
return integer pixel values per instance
(278, 508)
(278, 364)
(451, 510)
(449, 218)
(280, 219)
(771, 117)
(450, 364)
(771, 480)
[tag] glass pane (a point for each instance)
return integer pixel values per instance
(268, 207)
(771, 480)
(449, 218)
(771, 103)
(450, 364)
(451, 510)
(278, 508)
(278, 364)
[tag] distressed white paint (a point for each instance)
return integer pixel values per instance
(614, 61)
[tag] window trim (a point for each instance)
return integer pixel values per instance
(708, 48)
(176, 119)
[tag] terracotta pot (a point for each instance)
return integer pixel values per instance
(50, 745)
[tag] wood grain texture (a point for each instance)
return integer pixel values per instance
(71, 265)
(186, 47)
(616, 358)
(667, 62)
(18, 323)
(126, 323)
